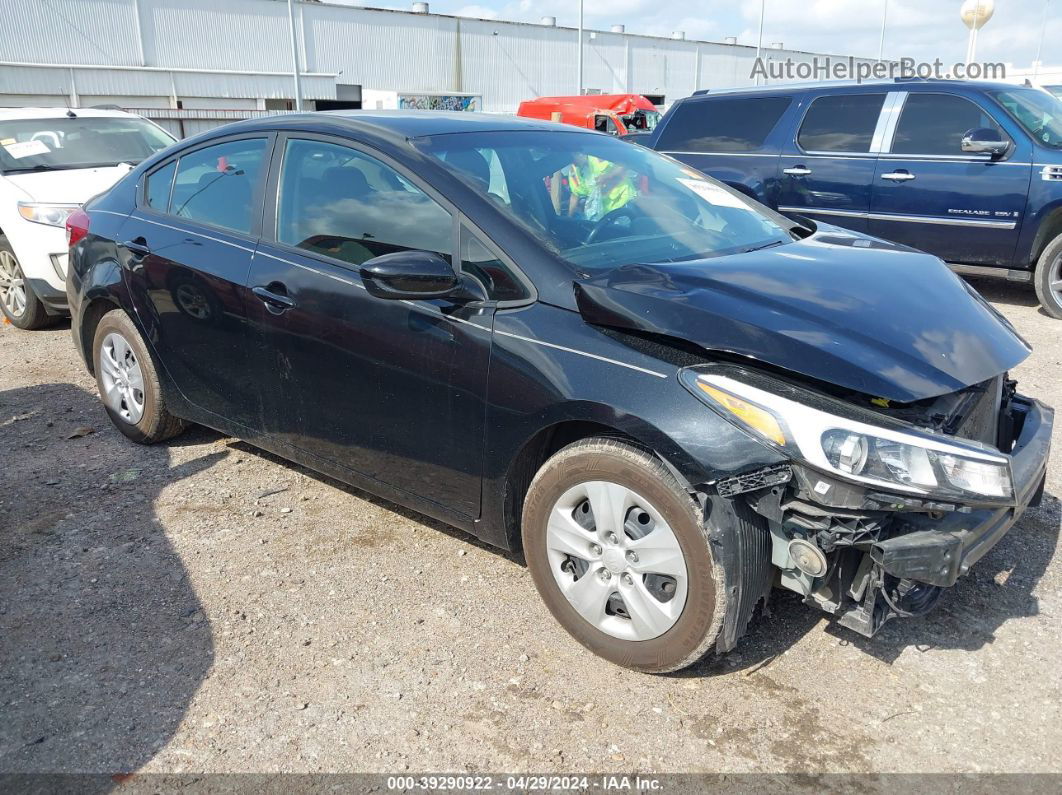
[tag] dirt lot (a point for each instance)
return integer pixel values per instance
(206, 607)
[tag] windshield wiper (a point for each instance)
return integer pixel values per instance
(772, 244)
(58, 167)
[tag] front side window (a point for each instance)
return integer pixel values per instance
(722, 125)
(841, 123)
(77, 142)
(599, 203)
(344, 204)
(934, 124)
(1037, 111)
(216, 185)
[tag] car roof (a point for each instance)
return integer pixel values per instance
(407, 123)
(898, 84)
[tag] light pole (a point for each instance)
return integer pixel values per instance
(1040, 48)
(580, 47)
(759, 40)
(881, 42)
(295, 55)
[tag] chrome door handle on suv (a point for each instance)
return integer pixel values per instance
(899, 176)
(797, 171)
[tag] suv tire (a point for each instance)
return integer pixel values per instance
(614, 602)
(18, 302)
(128, 382)
(1048, 278)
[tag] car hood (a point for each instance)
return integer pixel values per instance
(849, 310)
(67, 186)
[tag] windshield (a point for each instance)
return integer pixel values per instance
(641, 120)
(79, 142)
(1038, 112)
(599, 203)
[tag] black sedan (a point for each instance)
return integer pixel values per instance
(669, 397)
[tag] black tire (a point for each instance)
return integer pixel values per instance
(156, 423)
(1048, 278)
(33, 315)
(697, 627)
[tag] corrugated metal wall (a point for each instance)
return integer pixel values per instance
(501, 61)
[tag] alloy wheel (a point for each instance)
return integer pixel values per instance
(1054, 280)
(616, 560)
(121, 378)
(12, 285)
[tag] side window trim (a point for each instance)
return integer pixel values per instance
(887, 143)
(258, 194)
(827, 153)
(532, 294)
(271, 208)
(887, 120)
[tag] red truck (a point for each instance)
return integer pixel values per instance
(616, 114)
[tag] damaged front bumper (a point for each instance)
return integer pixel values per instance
(862, 556)
(947, 547)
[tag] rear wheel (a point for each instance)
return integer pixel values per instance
(128, 383)
(1048, 278)
(618, 553)
(18, 302)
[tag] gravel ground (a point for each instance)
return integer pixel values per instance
(206, 607)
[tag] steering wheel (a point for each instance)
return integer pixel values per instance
(610, 219)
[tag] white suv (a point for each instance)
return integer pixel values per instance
(51, 161)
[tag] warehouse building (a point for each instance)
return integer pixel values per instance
(193, 64)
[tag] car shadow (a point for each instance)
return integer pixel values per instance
(1002, 291)
(998, 589)
(103, 641)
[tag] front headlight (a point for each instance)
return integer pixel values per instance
(912, 462)
(48, 214)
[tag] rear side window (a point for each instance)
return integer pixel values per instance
(840, 123)
(934, 124)
(722, 125)
(216, 184)
(157, 188)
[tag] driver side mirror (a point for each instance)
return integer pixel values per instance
(985, 141)
(409, 275)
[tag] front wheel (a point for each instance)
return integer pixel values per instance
(621, 558)
(1048, 278)
(128, 383)
(18, 302)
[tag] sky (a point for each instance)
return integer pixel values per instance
(921, 30)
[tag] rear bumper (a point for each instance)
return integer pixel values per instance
(941, 554)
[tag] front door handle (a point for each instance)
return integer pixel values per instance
(797, 171)
(275, 297)
(899, 176)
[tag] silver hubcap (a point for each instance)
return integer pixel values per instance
(122, 379)
(1054, 279)
(12, 285)
(616, 560)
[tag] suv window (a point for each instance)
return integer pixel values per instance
(840, 123)
(722, 125)
(216, 184)
(346, 205)
(934, 124)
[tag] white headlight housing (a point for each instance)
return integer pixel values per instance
(909, 462)
(47, 214)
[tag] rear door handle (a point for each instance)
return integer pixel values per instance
(138, 247)
(797, 171)
(275, 300)
(899, 176)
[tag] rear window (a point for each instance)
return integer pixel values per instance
(841, 123)
(722, 125)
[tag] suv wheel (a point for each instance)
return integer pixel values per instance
(1049, 278)
(619, 555)
(17, 300)
(128, 383)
